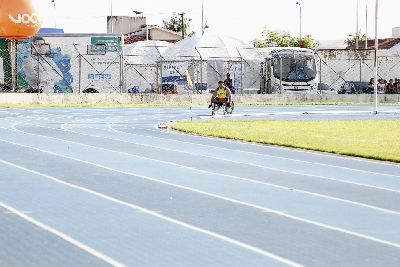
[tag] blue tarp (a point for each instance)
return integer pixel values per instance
(50, 30)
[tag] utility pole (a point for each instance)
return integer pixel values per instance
(202, 17)
(366, 27)
(299, 4)
(54, 13)
(376, 59)
(112, 22)
(357, 37)
(182, 24)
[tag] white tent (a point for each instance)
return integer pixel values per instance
(141, 65)
(145, 52)
(212, 47)
(208, 59)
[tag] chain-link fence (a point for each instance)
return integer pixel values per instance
(37, 66)
(61, 68)
(202, 76)
(350, 71)
(43, 67)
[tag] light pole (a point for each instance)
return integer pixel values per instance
(112, 22)
(202, 17)
(366, 26)
(376, 58)
(182, 24)
(357, 32)
(298, 3)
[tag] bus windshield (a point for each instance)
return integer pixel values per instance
(296, 67)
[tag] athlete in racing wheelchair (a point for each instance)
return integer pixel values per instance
(222, 97)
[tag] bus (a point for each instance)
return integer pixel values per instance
(289, 70)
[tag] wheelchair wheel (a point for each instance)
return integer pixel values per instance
(214, 109)
(229, 110)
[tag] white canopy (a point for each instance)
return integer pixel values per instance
(212, 47)
(145, 52)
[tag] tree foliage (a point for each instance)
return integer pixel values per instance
(284, 39)
(351, 38)
(175, 24)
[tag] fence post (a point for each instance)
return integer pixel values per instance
(80, 74)
(281, 74)
(320, 73)
(13, 61)
(121, 70)
(161, 77)
(38, 68)
(241, 75)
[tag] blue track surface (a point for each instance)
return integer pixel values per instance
(104, 186)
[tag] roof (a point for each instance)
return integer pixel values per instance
(163, 29)
(212, 47)
(140, 35)
(386, 43)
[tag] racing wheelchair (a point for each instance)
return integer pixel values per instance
(226, 109)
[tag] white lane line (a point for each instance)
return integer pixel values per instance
(24, 212)
(226, 175)
(263, 155)
(250, 164)
(151, 213)
(261, 146)
(61, 235)
(231, 200)
(209, 172)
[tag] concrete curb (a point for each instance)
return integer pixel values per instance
(110, 99)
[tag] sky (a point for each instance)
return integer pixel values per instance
(323, 19)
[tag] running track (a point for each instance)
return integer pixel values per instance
(104, 186)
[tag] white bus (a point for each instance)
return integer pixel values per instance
(289, 69)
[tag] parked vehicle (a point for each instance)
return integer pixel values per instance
(323, 88)
(354, 87)
(290, 69)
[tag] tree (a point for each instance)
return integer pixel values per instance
(175, 24)
(284, 39)
(351, 38)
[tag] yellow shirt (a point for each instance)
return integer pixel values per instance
(221, 93)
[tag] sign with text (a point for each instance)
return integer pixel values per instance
(113, 44)
(174, 72)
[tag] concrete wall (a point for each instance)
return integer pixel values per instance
(124, 24)
(29, 99)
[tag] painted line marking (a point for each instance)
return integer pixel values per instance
(61, 235)
(220, 174)
(152, 213)
(261, 208)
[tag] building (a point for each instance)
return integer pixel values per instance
(136, 29)
(396, 32)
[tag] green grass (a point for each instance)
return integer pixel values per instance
(367, 139)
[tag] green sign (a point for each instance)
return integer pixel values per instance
(113, 43)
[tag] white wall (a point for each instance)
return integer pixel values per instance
(396, 32)
(125, 25)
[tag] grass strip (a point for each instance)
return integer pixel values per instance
(371, 139)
